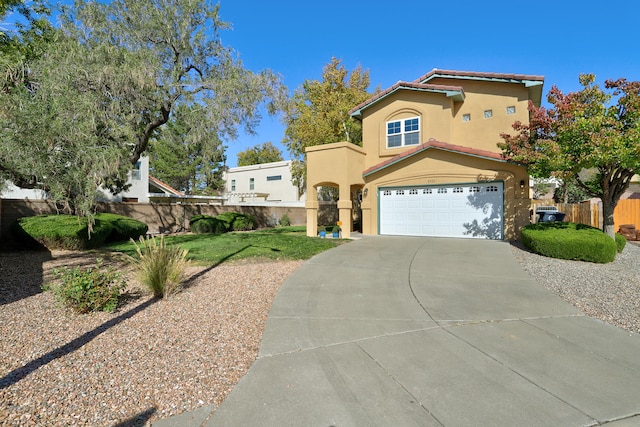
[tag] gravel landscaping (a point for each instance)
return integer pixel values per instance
(155, 358)
(150, 359)
(609, 292)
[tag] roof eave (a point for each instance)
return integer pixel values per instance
(451, 150)
(455, 95)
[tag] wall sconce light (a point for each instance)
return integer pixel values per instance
(522, 183)
(366, 191)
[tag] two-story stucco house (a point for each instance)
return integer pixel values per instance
(429, 164)
(262, 184)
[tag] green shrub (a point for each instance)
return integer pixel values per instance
(159, 267)
(244, 222)
(333, 228)
(124, 228)
(567, 240)
(61, 232)
(285, 221)
(90, 289)
(198, 217)
(228, 218)
(209, 225)
(237, 221)
(621, 242)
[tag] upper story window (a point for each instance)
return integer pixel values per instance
(403, 132)
(233, 185)
(252, 183)
(274, 178)
(136, 175)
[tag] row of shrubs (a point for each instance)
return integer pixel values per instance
(568, 240)
(72, 232)
(97, 288)
(223, 223)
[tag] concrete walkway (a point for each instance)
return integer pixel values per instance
(390, 331)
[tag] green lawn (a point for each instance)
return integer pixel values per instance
(289, 243)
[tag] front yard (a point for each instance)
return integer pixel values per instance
(151, 358)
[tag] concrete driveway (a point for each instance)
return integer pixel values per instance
(391, 331)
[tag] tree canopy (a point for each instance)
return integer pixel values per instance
(586, 137)
(90, 104)
(318, 113)
(261, 153)
(188, 161)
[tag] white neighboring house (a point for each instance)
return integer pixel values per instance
(12, 192)
(139, 190)
(144, 188)
(266, 184)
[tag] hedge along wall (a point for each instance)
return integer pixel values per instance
(161, 217)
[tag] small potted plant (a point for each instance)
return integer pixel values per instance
(322, 231)
(337, 229)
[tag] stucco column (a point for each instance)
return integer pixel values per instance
(312, 217)
(344, 213)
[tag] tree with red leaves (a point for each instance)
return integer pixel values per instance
(586, 137)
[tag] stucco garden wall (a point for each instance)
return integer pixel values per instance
(161, 218)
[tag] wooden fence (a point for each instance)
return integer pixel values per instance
(627, 212)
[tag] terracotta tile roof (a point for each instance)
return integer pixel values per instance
(475, 75)
(165, 186)
(407, 85)
(432, 143)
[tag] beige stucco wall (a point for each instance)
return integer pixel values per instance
(433, 109)
(441, 117)
(484, 133)
(433, 166)
(338, 165)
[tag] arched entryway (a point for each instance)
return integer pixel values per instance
(337, 165)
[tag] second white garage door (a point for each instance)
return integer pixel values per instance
(466, 210)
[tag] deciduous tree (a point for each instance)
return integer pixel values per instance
(585, 137)
(261, 153)
(318, 113)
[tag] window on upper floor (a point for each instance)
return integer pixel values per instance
(252, 184)
(403, 132)
(274, 178)
(136, 175)
(233, 185)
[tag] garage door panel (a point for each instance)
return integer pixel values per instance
(471, 210)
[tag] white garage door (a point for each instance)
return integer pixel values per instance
(466, 210)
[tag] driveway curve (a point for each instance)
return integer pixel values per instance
(399, 331)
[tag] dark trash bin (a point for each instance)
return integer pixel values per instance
(549, 214)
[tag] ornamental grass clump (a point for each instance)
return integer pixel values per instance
(85, 290)
(159, 267)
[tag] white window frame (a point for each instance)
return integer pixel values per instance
(252, 184)
(403, 133)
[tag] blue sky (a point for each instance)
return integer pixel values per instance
(403, 39)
